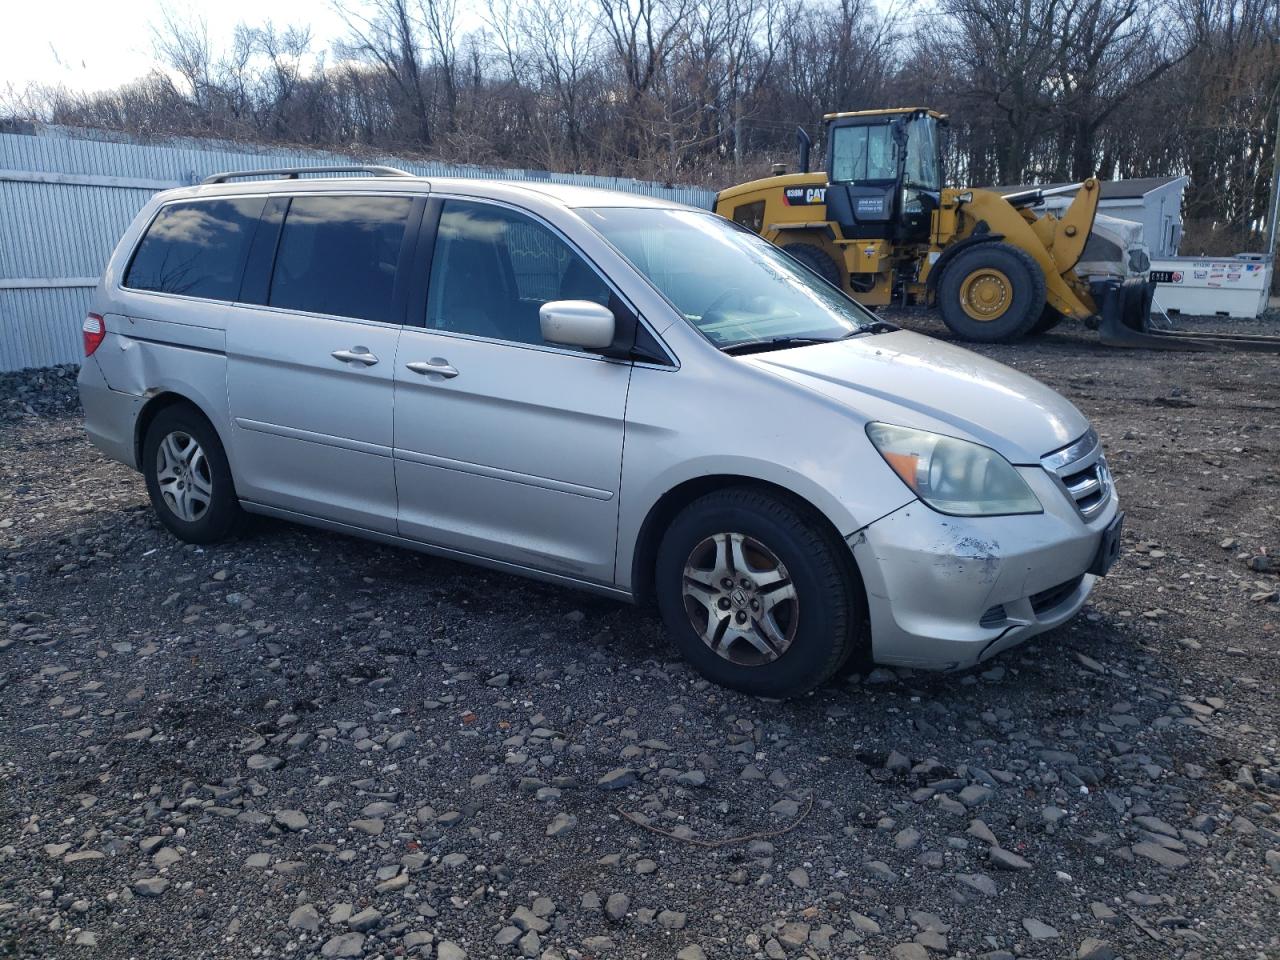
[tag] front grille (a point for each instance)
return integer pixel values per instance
(1088, 487)
(1081, 471)
(1048, 599)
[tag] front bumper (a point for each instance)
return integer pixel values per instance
(944, 593)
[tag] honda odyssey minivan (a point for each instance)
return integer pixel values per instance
(600, 390)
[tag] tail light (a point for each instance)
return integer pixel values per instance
(95, 330)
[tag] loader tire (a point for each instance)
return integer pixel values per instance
(992, 293)
(817, 260)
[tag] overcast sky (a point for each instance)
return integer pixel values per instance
(97, 44)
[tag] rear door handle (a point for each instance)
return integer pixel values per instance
(435, 367)
(355, 355)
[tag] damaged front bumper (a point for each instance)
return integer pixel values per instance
(944, 593)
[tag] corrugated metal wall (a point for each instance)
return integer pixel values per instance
(65, 200)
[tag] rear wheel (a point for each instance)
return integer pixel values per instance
(817, 260)
(188, 478)
(756, 594)
(992, 293)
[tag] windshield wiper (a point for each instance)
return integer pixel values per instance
(775, 343)
(783, 343)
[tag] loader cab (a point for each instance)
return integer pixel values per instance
(884, 173)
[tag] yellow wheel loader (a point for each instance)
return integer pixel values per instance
(880, 225)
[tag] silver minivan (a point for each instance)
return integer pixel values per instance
(601, 390)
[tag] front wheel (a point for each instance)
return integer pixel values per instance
(757, 594)
(992, 293)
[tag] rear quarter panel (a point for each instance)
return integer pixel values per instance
(159, 343)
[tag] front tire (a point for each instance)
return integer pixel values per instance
(188, 477)
(757, 594)
(992, 293)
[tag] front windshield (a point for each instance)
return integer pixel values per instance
(731, 285)
(864, 152)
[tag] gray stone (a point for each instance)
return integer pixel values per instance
(1007, 860)
(448, 950)
(150, 886)
(366, 920)
(980, 830)
(1039, 930)
(562, 823)
(305, 917)
(978, 881)
(290, 819)
(526, 919)
(617, 779)
(793, 936)
(165, 857)
(671, 919)
(343, 945)
(1093, 949)
(975, 795)
(864, 923)
(906, 839)
(616, 907)
(909, 951)
(691, 952)
(1161, 855)
(799, 877)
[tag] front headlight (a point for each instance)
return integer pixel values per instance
(953, 476)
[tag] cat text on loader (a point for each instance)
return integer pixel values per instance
(880, 225)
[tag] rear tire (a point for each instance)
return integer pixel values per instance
(817, 260)
(757, 594)
(188, 477)
(992, 293)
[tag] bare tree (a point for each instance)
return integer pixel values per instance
(383, 33)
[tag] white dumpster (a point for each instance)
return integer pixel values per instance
(1220, 286)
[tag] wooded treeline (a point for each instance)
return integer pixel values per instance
(710, 91)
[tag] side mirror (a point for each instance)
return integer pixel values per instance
(577, 323)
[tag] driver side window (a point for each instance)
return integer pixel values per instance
(493, 268)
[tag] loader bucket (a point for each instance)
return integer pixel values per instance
(1124, 320)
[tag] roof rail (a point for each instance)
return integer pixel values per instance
(292, 173)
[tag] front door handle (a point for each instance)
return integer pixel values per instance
(435, 367)
(355, 355)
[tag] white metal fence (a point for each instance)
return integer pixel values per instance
(65, 200)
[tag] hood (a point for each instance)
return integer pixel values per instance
(915, 381)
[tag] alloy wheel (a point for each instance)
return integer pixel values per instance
(183, 475)
(740, 599)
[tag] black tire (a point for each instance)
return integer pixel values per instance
(1019, 308)
(221, 516)
(1049, 318)
(829, 616)
(817, 260)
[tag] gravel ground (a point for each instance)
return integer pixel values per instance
(303, 745)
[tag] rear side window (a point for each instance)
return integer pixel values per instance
(196, 248)
(340, 255)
